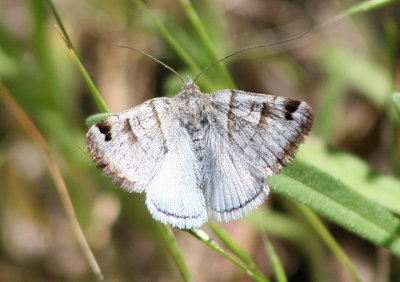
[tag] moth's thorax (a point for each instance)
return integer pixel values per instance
(192, 115)
(191, 104)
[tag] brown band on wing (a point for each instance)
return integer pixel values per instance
(230, 114)
(265, 112)
(158, 121)
(129, 131)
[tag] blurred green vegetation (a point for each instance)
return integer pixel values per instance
(348, 171)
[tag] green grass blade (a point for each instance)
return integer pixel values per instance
(168, 37)
(276, 264)
(331, 100)
(279, 225)
(174, 251)
(295, 232)
(329, 197)
(330, 241)
(173, 43)
(227, 240)
(365, 7)
(396, 102)
(354, 173)
(362, 7)
(369, 77)
(57, 177)
(206, 239)
(165, 231)
(94, 119)
(89, 82)
(60, 23)
(206, 40)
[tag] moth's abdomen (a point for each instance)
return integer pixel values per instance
(197, 131)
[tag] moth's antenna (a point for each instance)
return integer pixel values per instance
(155, 59)
(249, 48)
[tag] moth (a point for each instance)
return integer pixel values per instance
(200, 156)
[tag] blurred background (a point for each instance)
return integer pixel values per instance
(346, 70)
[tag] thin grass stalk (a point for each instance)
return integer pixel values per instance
(235, 248)
(173, 249)
(58, 179)
(175, 46)
(205, 239)
(362, 7)
(207, 42)
(89, 82)
(330, 241)
(396, 102)
(167, 234)
(276, 263)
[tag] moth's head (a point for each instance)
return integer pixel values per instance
(189, 85)
(188, 80)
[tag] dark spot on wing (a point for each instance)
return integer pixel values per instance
(291, 106)
(129, 131)
(265, 112)
(101, 164)
(105, 129)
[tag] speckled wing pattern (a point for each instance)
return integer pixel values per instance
(145, 150)
(253, 136)
(199, 156)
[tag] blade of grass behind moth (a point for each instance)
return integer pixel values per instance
(362, 7)
(332, 97)
(331, 198)
(207, 42)
(395, 144)
(89, 82)
(330, 241)
(396, 102)
(234, 247)
(353, 172)
(276, 264)
(206, 239)
(368, 76)
(56, 174)
(173, 43)
(169, 239)
(173, 249)
(291, 230)
(60, 24)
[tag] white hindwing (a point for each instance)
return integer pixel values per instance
(233, 187)
(174, 196)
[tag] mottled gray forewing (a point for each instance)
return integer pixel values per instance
(263, 130)
(129, 147)
(146, 149)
